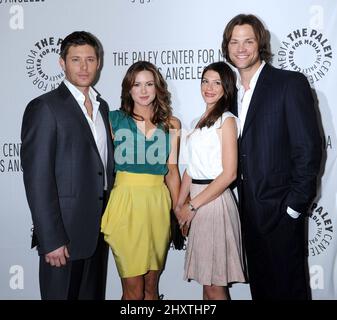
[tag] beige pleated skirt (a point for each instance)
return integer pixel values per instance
(214, 250)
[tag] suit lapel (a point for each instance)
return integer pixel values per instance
(104, 116)
(258, 98)
(235, 103)
(110, 162)
(78, 114)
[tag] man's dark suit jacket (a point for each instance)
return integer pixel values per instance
(279, 149)
(63, 173)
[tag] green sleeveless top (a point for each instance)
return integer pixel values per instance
(133, 151)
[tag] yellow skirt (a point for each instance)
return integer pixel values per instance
(136, 223)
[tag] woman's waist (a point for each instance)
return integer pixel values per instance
(138, 179)
(202, 181)
(200, 171)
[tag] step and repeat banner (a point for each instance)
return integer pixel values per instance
(180, 37)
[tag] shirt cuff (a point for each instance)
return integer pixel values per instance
(294, 214)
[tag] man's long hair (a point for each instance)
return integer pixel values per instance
(261, 33)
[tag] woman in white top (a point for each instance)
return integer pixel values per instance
(214, 255)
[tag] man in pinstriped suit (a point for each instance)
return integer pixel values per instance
(279, 160)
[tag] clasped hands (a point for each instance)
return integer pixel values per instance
(184, 216)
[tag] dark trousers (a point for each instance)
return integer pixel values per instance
(83, 279)
(78, 280)
(277, 263)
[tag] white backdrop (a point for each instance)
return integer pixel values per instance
(180, 37)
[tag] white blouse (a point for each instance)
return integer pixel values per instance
(203, 147)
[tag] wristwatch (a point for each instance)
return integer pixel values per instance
(190, 205)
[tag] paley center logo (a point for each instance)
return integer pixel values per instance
(308, 51)
(42, 66)
(321, 232)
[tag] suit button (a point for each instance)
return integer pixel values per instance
(100, 198)
(100, 173)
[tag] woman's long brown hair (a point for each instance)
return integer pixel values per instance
(228, 82)
(162, 110)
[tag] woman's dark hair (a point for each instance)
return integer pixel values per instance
(262, 35)
(162, 110)
(79, 38)
(228, 82)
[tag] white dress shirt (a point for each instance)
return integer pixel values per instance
(96, 124)
(245, 96)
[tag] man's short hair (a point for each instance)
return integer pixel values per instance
(79, 38)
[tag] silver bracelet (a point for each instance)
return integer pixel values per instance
(190, 205)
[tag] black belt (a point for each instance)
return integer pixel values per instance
(202, 181)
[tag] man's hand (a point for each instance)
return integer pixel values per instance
(57, 257)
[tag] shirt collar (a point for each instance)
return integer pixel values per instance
(78, 95)
(253, 80)
(80, 98)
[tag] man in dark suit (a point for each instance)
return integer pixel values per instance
(279, 160)
(68, 173)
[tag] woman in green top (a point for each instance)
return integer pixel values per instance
(136, 223)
